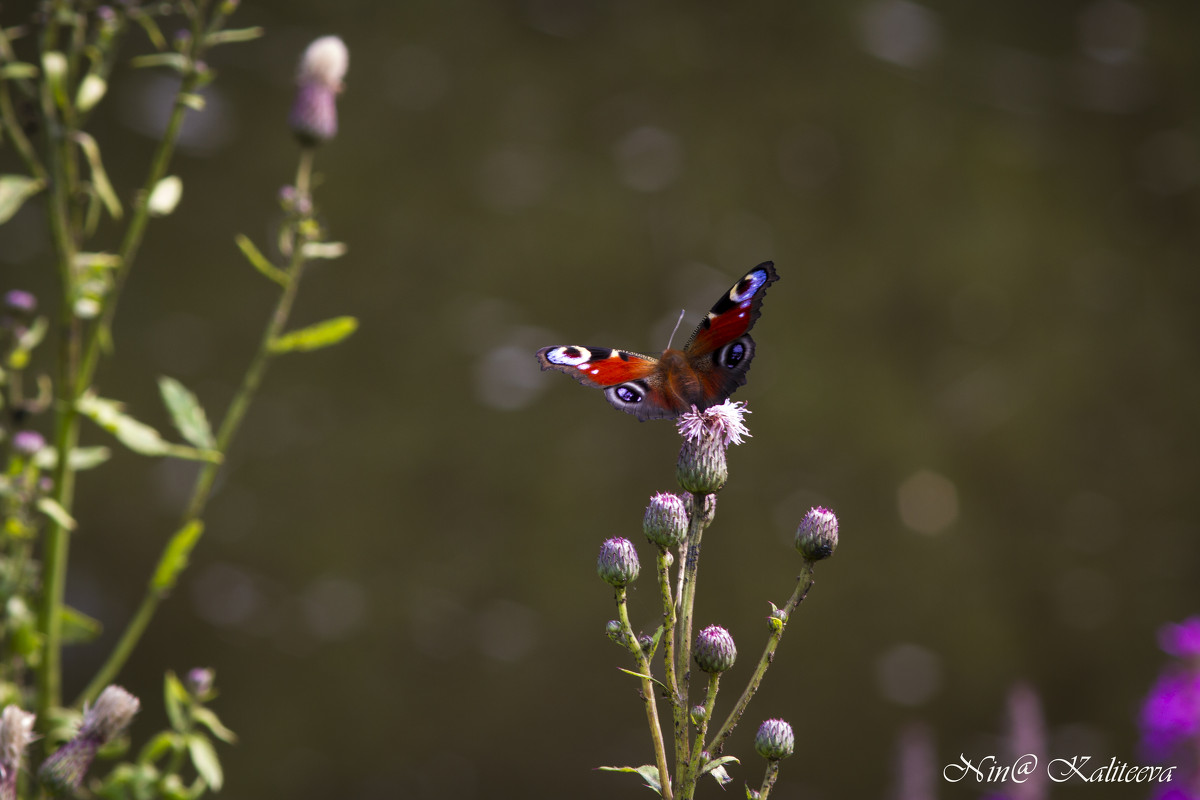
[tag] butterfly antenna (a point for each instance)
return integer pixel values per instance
(682, 311)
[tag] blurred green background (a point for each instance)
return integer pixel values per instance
(982, 354)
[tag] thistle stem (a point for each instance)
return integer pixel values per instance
(769, 778)
(647, 693)
(202, 489)
(693, 771)
(804, 582)
(679, 710)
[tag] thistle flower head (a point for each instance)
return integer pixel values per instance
(817, 536)
(666, 520)
(64, 771)
(775, 740)
(725, 423)
(20, 301)
(112, 713)
(16, 732)
(714, 650)
(319, 80)
(199, 682)
(618, 563)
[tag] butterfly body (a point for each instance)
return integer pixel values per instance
(710, 367)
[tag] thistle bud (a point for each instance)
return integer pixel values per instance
(666, 520)
(618, 562)
(319, 81)
(199, 682)
(614, 632)
(16, 732)
(646, 642)
(114, 709)
(817, 536)
(774, 740)
(20, 302)
(702, 468)
(698, 714)
(714, 650)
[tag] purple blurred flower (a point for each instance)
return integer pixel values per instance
(314, 112)
(1171, 713)
(1181, 640)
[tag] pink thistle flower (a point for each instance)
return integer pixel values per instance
(724, 423)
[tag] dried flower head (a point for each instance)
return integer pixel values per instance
(64, 771)
(16, 732)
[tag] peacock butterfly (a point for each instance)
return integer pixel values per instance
(709, 368)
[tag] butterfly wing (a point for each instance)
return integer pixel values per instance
(720, 349)
(632, 382)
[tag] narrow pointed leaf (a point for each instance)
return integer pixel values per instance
(175, 557)
(17, 70)
(649, 774)
(314, 337)
(204, 759)
(187, 413)
(208, 719)
(104, 189)
(91, 91)
(81, 458)
(77, 627)
(137, 436)
(326, 250)
(14, 191)
(175, 61)
(259, 261)
(54, 511)
(175, 700)
(233, 35)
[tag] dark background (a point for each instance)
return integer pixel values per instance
(982, 354)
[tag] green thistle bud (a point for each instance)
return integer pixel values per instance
(666, 520)
(714, 650)
(702, 468)
(618, 562)
(774, 740)
(614, 632)
(777, 619)
(699, 714)
(817, 536)
(646, 642)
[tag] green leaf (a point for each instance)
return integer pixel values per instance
(233, 35)
(96, 261)
(642, 675)
(165, 196)
(150, 26)
(204, 759)
(209, 720)
(77, 627)
(91, 90)
(259, 261)
(316, 336)
(186, 413)
(327, 250)
(137, 436)
(176, 700)
(50, 507)
(193, 101)
(165, 743)
(14, 191)
(175, 557)
(649, 774)
(716, 768)
(15, 70)
(175, 61)
(104, 189)
(54, 67)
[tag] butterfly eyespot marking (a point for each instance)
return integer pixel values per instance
(570, 356)
(626, 394)
(748, 286)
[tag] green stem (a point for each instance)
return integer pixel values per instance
(690, 567)
(647, 693)
(693, 770)
(202, 488)
(679, 709)
(804, 582)
(772, 775)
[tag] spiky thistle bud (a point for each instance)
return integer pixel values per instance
(817, 536)
(666, 520)
(618, 562)
(319, 81)
(63, 772)
(16, 732)
(698, 714)
(714, 650)
(774, 740)
(613, 630)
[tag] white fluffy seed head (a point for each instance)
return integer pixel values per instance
(325, 62)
